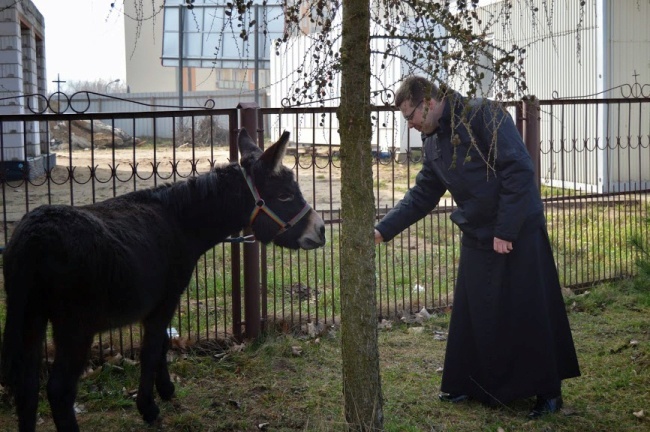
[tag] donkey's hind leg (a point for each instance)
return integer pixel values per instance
(71, 357)
(28, 382)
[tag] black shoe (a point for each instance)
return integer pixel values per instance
(545, 406)
(452, 398)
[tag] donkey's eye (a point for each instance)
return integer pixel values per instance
(285, 197)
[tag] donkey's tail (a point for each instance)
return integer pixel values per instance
(25, 326)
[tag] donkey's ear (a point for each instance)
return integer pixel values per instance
(246, 145)
(273, 155)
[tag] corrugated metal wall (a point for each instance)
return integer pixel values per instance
(628, 70)
(559, 59)
(576, 58)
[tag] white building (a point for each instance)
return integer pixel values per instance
(22, 73)
(152, 48)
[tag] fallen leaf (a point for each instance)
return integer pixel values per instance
(639, 414)
(416, 330)
(90, 372)
(567, 411)
(567, 292)
(181, 343)
(130, 362)
(439, 335)
(410, 319)
(315, 330)
(238, 348)
(116, 359)
(296, 351)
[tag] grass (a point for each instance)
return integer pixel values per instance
(290, 383)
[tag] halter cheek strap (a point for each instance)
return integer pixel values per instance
(260, 206)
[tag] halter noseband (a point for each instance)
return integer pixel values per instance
(260, 206)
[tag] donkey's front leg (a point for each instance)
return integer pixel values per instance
(149, 358)
(153, 361)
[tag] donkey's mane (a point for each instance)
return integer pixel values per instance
(179, 195)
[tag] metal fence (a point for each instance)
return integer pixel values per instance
(593, 158)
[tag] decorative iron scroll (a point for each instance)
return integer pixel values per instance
(286, 102)
(59, 102)
(628, 91)
(387, 97)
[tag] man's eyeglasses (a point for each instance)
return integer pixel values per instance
(409, 117)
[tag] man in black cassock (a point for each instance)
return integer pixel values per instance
(509, 335)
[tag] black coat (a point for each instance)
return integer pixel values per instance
(492, 185)
(509, 335)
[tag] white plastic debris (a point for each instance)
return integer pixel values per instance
(424, 313)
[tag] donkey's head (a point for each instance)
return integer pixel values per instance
(281, 214)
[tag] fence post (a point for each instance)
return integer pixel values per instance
(531, 134)
(263, 253)
(252, 318)
(235, 249)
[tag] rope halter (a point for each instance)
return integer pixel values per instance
(260, 206)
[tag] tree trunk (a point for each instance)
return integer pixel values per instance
(361, 379)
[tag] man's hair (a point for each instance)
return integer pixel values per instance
(416, 89)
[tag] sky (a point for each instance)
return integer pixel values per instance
(84, 40)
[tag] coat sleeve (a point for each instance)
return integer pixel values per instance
(514, 167)
(417, 203)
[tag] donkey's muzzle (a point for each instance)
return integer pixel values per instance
(314, 234)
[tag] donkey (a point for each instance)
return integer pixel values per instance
(93, 268)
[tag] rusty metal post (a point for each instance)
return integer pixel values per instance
(234, 247)
(519, 118)
(263, 253)
(532, 135)
(252, 318)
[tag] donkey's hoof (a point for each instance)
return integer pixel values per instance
(149, 412)
(151, 415)
(166, 391)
